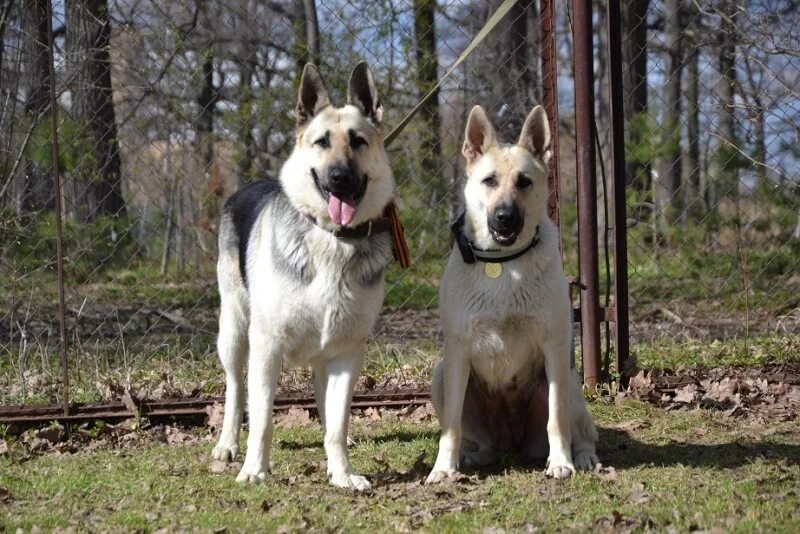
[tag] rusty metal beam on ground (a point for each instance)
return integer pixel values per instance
(583, 58)
(621, 326)
(192, 408)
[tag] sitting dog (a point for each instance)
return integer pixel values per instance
(301, 272)
(504, 384)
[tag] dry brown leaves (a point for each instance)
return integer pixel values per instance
(773, 391)
(293, 418)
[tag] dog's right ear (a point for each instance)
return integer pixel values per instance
(479, 135)
(312, 97)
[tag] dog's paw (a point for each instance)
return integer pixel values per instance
(350, 481)
(586, 460)
(252, 475)
(224, 453)
(559, 468)
(442, 476)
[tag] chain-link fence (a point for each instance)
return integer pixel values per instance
(712, 108)
(166, 108)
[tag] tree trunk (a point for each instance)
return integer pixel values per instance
(692, 194)
(97, 171)
(512, 67)
(35, 191)
(207, 99)
(312, 32)
(246, 149)
(634, 81)
(725, 181)
(427, 77)
(668, 181)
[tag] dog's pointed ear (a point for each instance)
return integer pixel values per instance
(479, 135)
(362, 93)
(535, 135)
(312, 97)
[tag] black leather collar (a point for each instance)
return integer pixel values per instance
(365, 229)
(470, 254)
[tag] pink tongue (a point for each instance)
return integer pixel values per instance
(341, 210)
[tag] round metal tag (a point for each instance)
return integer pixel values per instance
(493, 270)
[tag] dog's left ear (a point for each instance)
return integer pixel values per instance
(535, 135)
(362, 93)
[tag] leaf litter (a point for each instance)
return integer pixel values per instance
(772, 391)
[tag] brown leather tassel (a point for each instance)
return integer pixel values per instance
(399, 245)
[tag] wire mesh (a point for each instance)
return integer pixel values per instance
(711, 120)
(166, 108)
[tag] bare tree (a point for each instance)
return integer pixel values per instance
(668, 181)
(96, 176)
(312, 31)
(35, 190)
(634, 74)
(725, 174)
(427, 76)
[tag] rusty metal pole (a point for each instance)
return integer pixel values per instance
(621, 331)
(587, 189)
(62, 330)
(550, 103)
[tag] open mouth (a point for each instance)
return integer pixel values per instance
(341, 205)
(504, 237)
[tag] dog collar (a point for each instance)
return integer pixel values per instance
(470, 254)
(365, 229)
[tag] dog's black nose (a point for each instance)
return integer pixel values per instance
(506, 217)
(339, 176)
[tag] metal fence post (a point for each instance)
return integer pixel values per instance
(587, 190)
(621, 331)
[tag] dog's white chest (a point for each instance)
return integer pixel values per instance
(502, 349)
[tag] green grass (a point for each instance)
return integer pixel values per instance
(667, 353)
(685, 470)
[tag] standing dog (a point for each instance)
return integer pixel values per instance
(504, 384)
(301, 264)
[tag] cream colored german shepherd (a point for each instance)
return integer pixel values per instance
(504, 385)
(300, 271)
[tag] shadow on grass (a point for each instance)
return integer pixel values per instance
(616, 448)
(619, 449)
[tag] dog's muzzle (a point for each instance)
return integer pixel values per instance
(505, 224)
(342, 189)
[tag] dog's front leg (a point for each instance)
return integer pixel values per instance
(262, 381)
(559, 433)
(341, 377)
(456, 375)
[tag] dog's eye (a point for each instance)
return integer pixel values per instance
(323, 142)
(490, 181)
(523, 182)
(358, 142)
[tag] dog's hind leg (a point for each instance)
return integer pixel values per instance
(584, 433)
(262, 381)
(341, 377)
(232, 346)
(320, 376)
